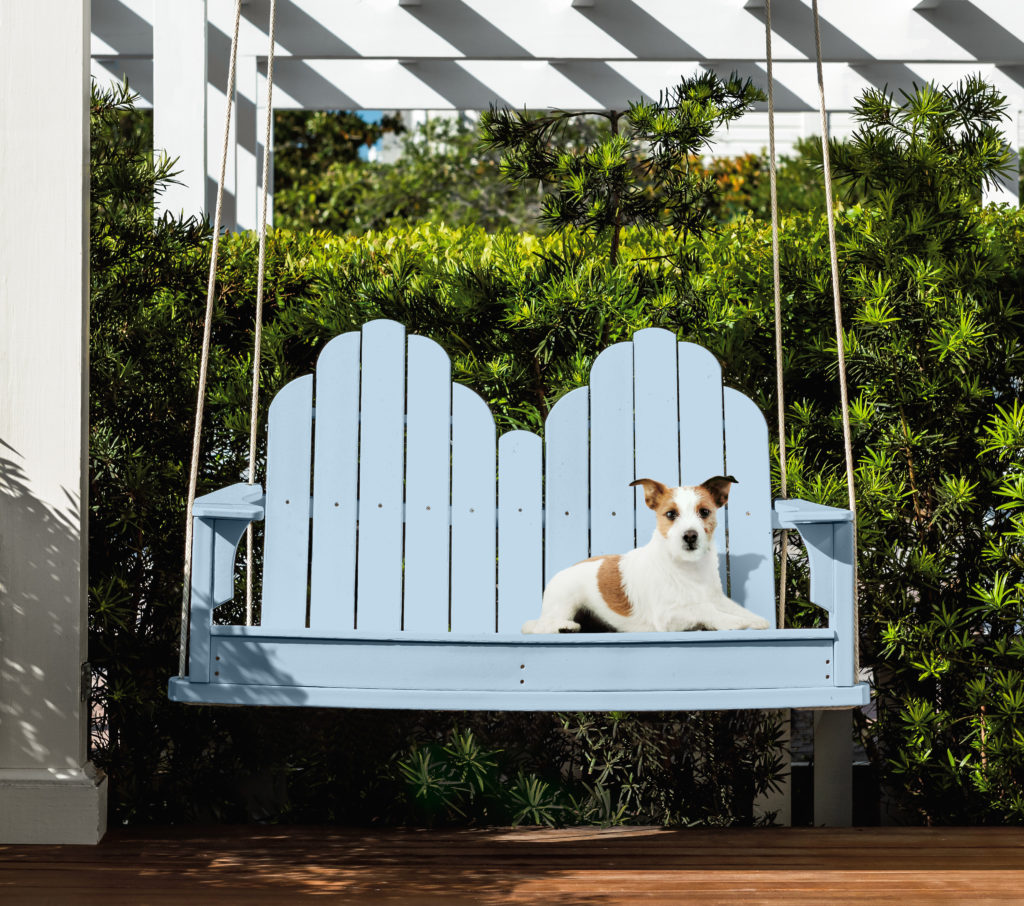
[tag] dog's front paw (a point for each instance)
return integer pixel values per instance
(727, 621)
(552, 626)
(752, 622)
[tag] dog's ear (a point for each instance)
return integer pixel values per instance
(719, 487)
(653, 491)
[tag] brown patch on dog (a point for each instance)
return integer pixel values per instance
(659, 498)
(668, 506)
(707, 502)
(654, 491)
(609, 584)
(718, 488)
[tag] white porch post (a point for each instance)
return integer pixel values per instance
(247, 144)
(179, 100)
(49, 793)
(218, 62)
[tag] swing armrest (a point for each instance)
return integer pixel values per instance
(793, 512)
(219, 521)
(236, 501)
(827, 533)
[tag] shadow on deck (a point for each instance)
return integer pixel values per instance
(574, 867)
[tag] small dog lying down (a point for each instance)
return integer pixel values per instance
(671, 584)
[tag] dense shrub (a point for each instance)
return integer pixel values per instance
(443, 177)
(932, 287)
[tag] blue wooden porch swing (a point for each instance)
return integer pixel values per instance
(405, 544)
(403, 579)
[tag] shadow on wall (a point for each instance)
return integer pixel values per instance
(40, 650)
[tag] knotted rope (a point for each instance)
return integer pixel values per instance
(261, 272)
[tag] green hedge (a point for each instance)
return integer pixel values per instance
(934, 328)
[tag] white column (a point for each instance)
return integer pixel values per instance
(179, 100)
(49, 793)
(218, 63)
(248, 125)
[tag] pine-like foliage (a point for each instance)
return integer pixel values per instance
(934, 330)
(642, 172)
(935, 348)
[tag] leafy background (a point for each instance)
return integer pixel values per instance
(931, 283)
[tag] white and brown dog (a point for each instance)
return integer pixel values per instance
(671, 584)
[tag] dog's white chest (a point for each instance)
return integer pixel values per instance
(665, 598)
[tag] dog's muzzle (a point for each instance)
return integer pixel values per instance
(690, 540)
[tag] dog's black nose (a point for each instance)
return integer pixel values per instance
(690, 538)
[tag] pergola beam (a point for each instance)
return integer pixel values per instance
(468, 54)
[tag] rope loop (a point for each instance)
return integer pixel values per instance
(777, 297)
(204, 359)
(268, 135)
(844, 393)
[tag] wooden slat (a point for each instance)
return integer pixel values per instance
(336, 472)
(707, 664)
(612, 528)
(520, 529)
(618, 866)
(381, 455)
(656, 413)
(566, 484)
(474, 516)
(427, 487)
(286, 538)
(751, 563)
(701, 429)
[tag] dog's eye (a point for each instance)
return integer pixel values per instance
(670, 515)
(704, 512)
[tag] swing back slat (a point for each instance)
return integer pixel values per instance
(612, 500)
(427, 487)
(335, 485)
(520, 529)
(751, 565)
(286, 542)
(474, 514)
(566, 483)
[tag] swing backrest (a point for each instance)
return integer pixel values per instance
(392, 506)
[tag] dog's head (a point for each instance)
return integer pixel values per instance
(687, 516)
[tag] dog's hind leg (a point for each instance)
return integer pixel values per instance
(562, 601)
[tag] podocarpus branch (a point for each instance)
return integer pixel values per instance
(637, 173)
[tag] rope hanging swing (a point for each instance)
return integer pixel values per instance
(208, 324)
(403, 580)
(844, 394)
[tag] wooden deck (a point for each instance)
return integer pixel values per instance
(574, 867)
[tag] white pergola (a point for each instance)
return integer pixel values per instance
(368, 54)
(573, 54)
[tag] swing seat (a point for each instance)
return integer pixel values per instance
(405, 544)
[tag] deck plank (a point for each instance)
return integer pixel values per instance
(572, 867)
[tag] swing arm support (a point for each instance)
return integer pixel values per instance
(219, 521)
(827, 533)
